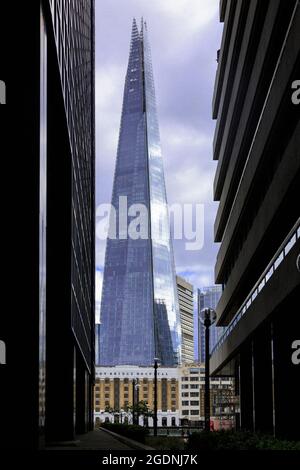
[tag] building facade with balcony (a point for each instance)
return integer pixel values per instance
(257, 184)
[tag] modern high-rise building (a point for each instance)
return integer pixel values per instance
(257, 181)
(97, 343)
(47, 142)
(139, 306)
(186, 307)
(208, 297)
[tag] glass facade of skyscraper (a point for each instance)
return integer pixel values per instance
(139, 308)
(208, 297)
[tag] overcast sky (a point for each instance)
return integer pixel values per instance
(184, 36)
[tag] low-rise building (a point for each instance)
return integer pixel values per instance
(222, 399)
(117, 386)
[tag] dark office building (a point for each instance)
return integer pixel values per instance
(257, 184)
(47, 149)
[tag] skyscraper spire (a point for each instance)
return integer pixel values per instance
(139, 308)
(142, 26)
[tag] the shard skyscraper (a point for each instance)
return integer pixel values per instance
(139, 308)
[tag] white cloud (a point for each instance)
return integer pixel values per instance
(109, 85)
(179, 135)
(193, 13)
(190, 185)
(100, 253)
(98, 292)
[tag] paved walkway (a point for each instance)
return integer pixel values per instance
(94, 440)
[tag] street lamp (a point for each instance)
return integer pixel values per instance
(135, 386)
(156, 361)
(208, 317)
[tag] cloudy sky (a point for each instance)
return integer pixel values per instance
(185, 36)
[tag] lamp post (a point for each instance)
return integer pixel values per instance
(208, 318)
(155, 396)
(135, 386)
(133, 400)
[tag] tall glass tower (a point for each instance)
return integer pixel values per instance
(139, 308)
(208, 297)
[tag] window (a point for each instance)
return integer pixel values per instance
(185, 394)
(194, 412)
(185, 403)
(194, 403)
(185, 412)
(173, 402)
(173, 421)
(97, 409)
(97, 402)
(194, 394)
(194, 386)
(125, 395)
(194, 379)
(184, 386)
(107, 395)
(164, 394)
(164, 421)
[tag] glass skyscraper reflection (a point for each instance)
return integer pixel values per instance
(208, 297)
(139, 307)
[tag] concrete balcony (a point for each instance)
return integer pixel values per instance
(280, 278)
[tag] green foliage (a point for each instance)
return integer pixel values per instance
(237, 440)
(132, 431)
(165, 443)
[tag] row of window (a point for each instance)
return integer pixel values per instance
(190, 403)
(190, 412)
(131, 373)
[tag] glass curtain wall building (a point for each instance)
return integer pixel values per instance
(49, 334)
(139, 309)
(208, 297)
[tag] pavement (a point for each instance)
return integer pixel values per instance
(98, 439)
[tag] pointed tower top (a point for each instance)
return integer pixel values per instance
(135, 31)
